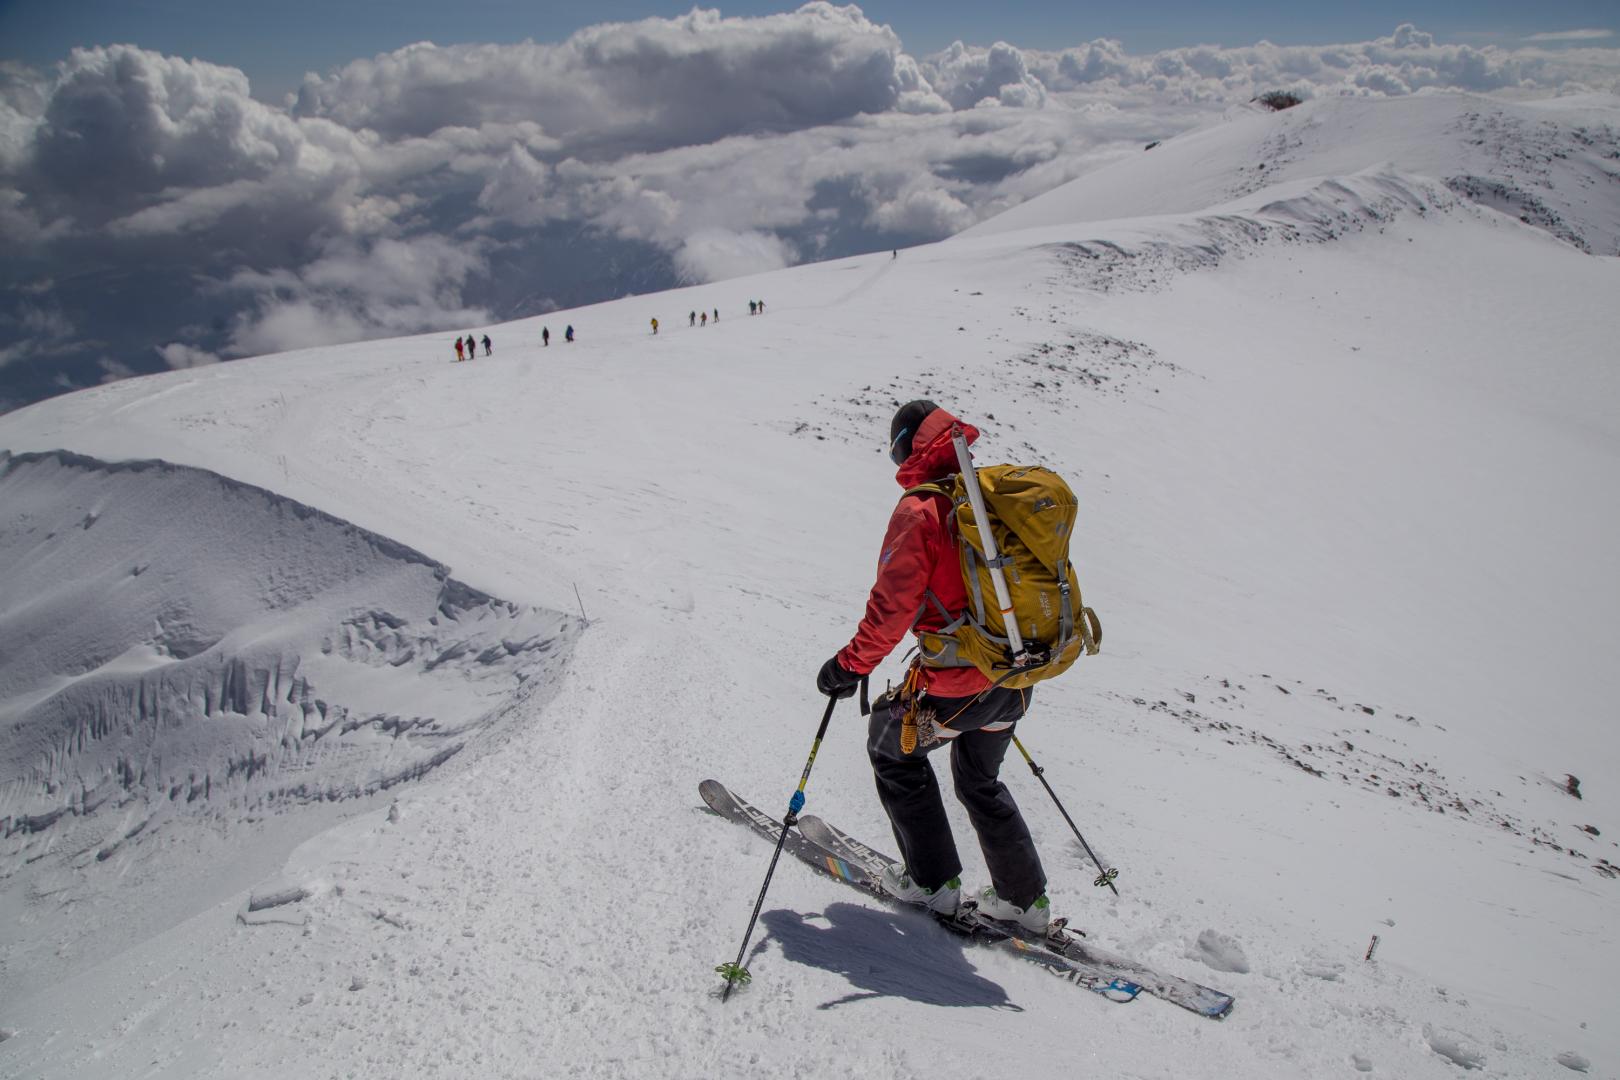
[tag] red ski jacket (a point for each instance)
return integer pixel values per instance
(919, 556)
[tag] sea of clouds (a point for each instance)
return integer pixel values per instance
(156, 215)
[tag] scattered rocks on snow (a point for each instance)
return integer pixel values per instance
(1418, 783)
(1572, 784)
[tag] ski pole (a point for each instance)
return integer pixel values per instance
(1106, 877)
(734, 972)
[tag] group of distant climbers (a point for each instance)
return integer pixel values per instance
(466, 350)
(701, 318)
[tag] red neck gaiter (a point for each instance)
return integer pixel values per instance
(932, 453)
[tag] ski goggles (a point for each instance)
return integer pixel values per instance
(897, 452)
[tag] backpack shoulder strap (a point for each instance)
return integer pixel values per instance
(952, 621)
(928, 489)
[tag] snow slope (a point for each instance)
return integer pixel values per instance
(182, 645)
(1347, 449)
(1554, 164)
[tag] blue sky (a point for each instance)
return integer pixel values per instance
(276, 42)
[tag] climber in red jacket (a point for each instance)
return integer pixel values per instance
(920, 586)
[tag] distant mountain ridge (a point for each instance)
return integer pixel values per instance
(1554, 164)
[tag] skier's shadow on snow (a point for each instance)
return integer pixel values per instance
(885, 954)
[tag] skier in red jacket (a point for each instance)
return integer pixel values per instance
(919, 586)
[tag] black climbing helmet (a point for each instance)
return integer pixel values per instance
(904, 427)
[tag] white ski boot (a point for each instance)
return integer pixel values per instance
(941, 901)
(1037, 918)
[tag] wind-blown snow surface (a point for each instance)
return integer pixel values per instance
(183, 646)
(1347, 448)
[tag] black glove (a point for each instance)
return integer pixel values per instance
(836, 682)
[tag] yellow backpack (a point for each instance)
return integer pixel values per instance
(1032, 514)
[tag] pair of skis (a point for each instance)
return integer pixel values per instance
(1060, 951)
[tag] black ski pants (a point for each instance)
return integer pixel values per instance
(910, 793)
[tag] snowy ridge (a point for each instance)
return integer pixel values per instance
(1146, 253)
(222, 648)
(1556, 165)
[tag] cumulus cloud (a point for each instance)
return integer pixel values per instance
(34, 329)
(126, 131)
(172, 218)
(625, 87)
(353, 292)
(1409, 59)
(179, 355)
(922, 207)
(970, 78)
(1571, 35)
(713, 254)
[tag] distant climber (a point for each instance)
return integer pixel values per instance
(716, 314)
(486, 345)
(705, 318)
(460, 351)
(545, 335)
(752, 307)
(568, 334)
(655, 326)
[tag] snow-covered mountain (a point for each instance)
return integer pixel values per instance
(1553, 164)
(353, 701)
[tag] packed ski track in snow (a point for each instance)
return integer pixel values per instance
(1346, 443)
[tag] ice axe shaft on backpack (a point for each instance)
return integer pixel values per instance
(993, 558)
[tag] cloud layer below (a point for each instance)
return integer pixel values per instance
(157, 215)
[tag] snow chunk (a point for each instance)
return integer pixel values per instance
(277, 896)
(1569, 1059)
(1220, 952)
(1454, 1046)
